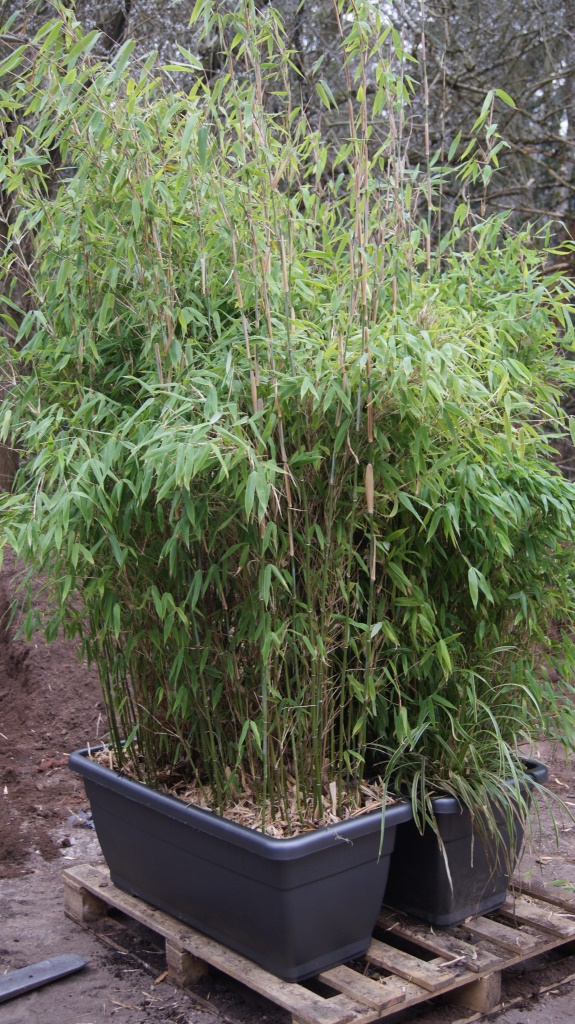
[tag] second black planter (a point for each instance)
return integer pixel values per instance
(419, 882)
(296, 906)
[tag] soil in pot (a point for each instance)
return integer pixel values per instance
(295, 906)
(419, 881)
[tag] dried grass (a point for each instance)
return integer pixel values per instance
(246, 810)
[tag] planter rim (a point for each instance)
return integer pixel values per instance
(271, 847)
(537, 774)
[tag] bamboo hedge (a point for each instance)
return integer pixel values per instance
(287, 447)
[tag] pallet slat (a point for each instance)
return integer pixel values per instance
(339, 1008)
(547, 893)
(512, 939)
(443, 944)
(428, 976)
(540, 915)
(376, 994)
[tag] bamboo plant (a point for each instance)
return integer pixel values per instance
(286, 448)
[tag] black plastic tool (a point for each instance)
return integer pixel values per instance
(15, 983)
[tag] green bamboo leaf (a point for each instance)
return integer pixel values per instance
(257, 737)
(79, 48)
(309, 646)
(263, 492)
(473, 585)
(13, 60)
(200, 8)
(5, 428)
(187, 135)
(121, 58)
(250, 492)
(485, 109)
(266, 584)
(117, 620)
(203, 146)
(116, 549)
(444, 657)
(242, 739)
(136, 212)
(323, 94)
(189, 68)
(131, 737)
(505, 97)
(406, 501)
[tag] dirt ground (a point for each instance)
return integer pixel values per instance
(49, 706)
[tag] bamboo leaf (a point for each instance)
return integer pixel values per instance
(13, 60)
(473, 586)
(203, 146)
(505, 97)
(444, 657)
(136, 212)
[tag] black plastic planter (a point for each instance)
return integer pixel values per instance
(296, 906)
(418, 882)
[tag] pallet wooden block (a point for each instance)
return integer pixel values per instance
(465, 966)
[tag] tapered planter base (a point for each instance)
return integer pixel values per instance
(295, 906)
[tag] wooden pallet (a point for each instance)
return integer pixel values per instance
(465, 963)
